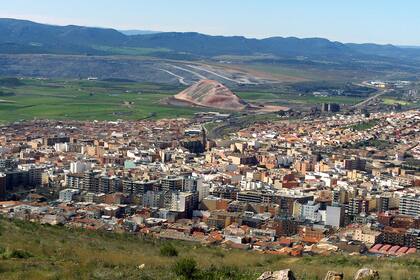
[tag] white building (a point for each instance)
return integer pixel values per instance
(334, 216)
(68, 195)
(310, 211)
(79, 166)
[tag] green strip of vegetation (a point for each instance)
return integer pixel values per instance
(365, 125)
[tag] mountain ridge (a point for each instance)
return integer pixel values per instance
(23, 36)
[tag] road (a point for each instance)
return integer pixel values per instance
(366, 101)
(180, 78)
(201, 77)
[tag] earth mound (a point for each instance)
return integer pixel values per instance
(212, 94)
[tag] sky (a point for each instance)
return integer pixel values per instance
(359, 21)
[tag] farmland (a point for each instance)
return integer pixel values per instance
(87, 100)
(28, 99)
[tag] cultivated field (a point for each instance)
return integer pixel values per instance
(26, 99)
(87, 100)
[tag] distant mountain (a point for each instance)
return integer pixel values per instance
(138, 32)
(20, 36)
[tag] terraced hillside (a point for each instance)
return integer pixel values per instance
(209, 93)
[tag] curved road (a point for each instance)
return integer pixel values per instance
(366, 101)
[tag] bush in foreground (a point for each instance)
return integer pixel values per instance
(168, 250)
(6, 254)
(186, 268)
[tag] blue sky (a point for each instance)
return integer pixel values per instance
(379, 21)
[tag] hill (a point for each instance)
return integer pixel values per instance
(63, 253)
(212, 94)
(20, 36)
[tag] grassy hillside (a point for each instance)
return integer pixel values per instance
(32, 251)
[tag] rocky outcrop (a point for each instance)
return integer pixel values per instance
(366, 274)
(334, 275)
(285, 274)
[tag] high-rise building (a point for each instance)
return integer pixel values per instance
(412, 238)
(184, 203)
(386, 202)
(330, 107)
(79, 166)
(287, 201)
(91, 181)
(16, 178)
(283, 226)
(74, 181)
(335, 216)
(68, 195)
(341, 196)
(131, 187)
(195, 184)
(355, 164)
(410, 205)
(51, 141)
(2, 185)
(333, 107)
(35, 176)
(172, 183)
(249, 196)
(8, 164)
(154, 199)
(109, 184)
(310, 211)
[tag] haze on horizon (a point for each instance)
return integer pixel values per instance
(357, 21)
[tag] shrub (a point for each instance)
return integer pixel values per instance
(186, 268)
(224, 272)
(16, 254)
(168, 250)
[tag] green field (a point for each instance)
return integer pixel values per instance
(28, 99)
(303, 74)
(365, 125)
(392, 101)
(31, 251)
(131, 51)
(87, 100)
(295, 98)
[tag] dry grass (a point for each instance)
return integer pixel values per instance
(61, 253)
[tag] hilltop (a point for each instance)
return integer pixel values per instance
(212, 94)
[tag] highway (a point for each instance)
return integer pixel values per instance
(366, 101)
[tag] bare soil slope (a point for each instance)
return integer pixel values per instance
(210, 93)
